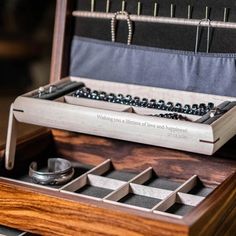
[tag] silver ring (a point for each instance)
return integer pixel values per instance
(59, 171)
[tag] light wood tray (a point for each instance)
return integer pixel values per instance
(123, 121)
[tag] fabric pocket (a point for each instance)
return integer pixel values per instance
(188, 71)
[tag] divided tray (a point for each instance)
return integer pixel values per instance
(144, 191)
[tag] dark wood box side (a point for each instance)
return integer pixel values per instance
(50, 214)
(61, 40)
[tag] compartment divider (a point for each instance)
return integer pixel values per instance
(150, 191)
(93, 178)
(100, 181)
(76, 183)
(165, 203)
(171, 199)
(143, 176)
(189, 199)
(86, 102)
(118, 194)
(99, 169)
(135, 187)
(114, 197)
(188, 185)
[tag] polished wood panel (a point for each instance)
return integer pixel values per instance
(132, 156)
(218, 211)
(228, 227)
(51, 215)
(20, 203)
(62, 36)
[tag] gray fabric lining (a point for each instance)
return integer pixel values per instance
(159, 182)
(179, 209)
(94, 191)
(120, 175)
(138, 200)
(188, 71)
(200, 190)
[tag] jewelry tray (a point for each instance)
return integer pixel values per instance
(144, 191)
(123, 121)
(163, 185)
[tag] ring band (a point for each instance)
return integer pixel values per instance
(59, 171)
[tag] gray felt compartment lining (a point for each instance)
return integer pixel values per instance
(94, 191)
(179, 209)
(200, 190)
(119, 175)
(187, 71)
(140, 201)
(163, 183)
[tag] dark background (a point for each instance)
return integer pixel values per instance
(168, 36)
(26, 31)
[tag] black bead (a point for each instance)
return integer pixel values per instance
(160, 104)
(169, 106)
(94, 94)
(128, 97)
(127, 100)
(117, 100)
(111, 97)
(202, 105)
(79, 93)
(210, 105)
(186, 108)
(135, 101)
(103, 96)
(83, 92)
(144, 102)
(152, 103)
(120, 96)
(194, 106)
(177, 107)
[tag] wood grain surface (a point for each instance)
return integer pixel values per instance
(132, 156)
(228, 227)
(215, 213)
(61, 39)
(51, 215)
(19, 205)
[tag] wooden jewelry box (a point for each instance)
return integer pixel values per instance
(118, 187)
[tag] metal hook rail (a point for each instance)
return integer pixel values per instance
(155, 19)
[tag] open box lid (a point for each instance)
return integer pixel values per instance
(219, 80)
(62, 40)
